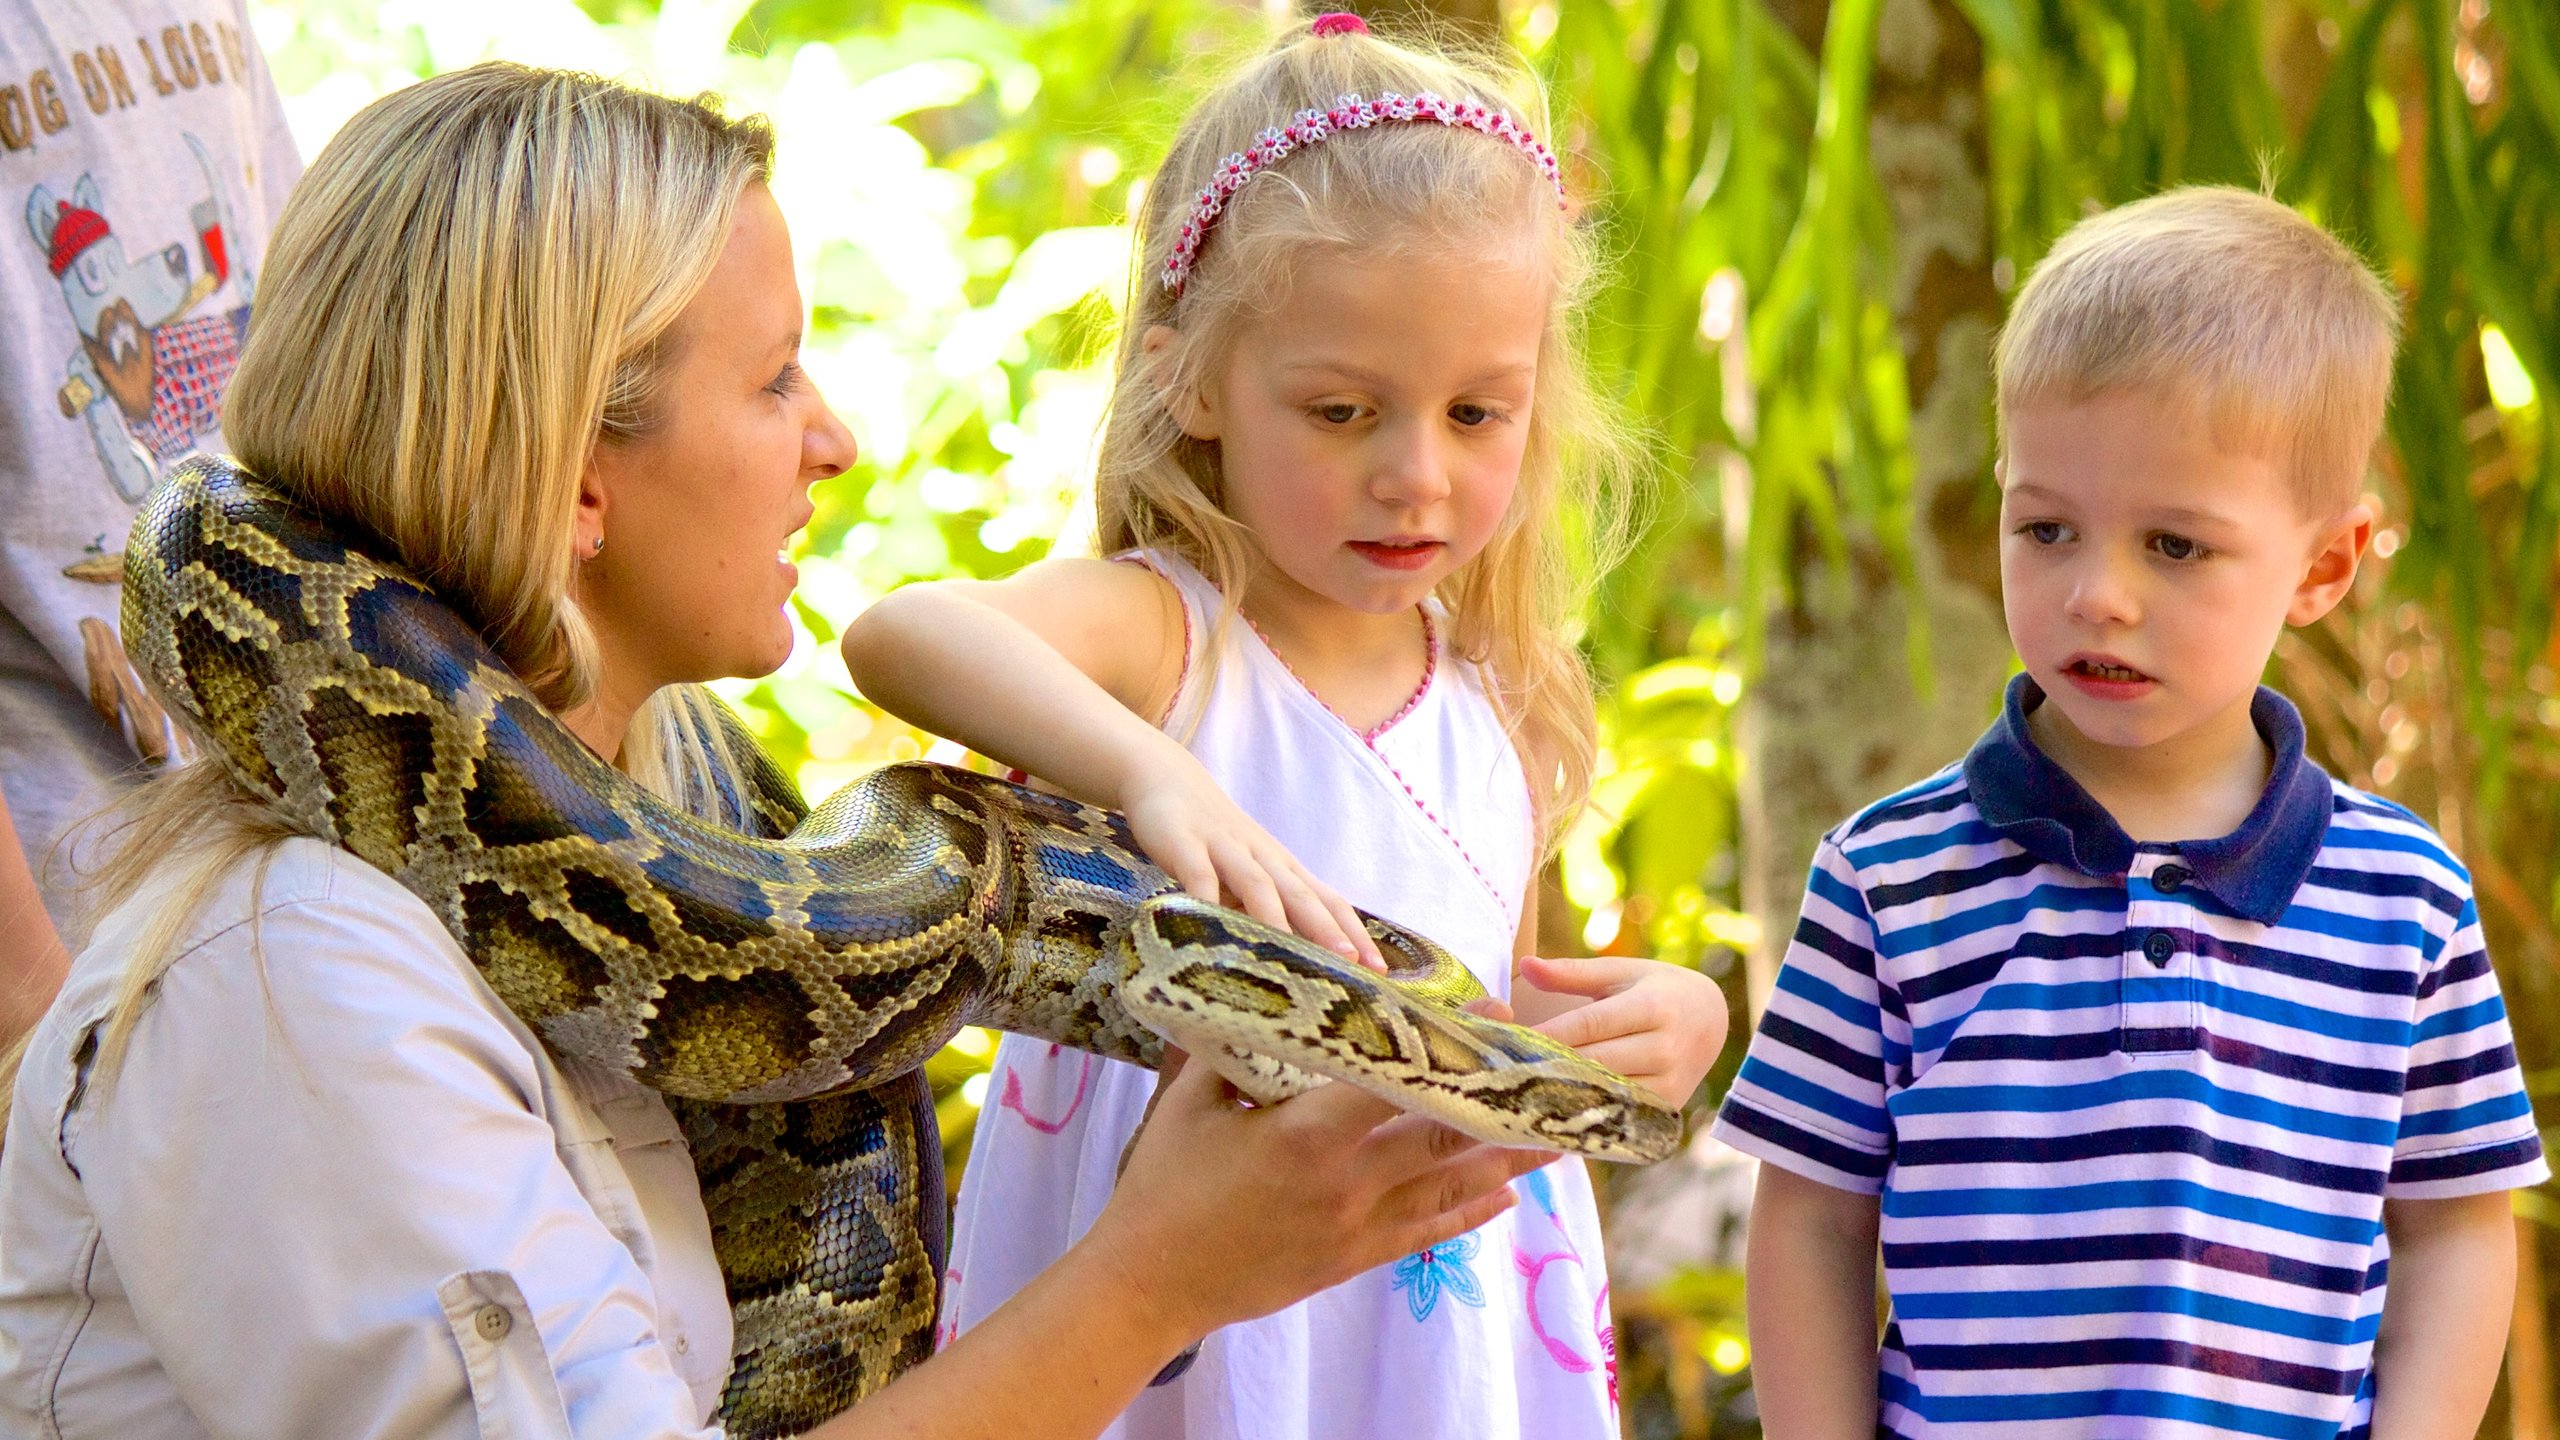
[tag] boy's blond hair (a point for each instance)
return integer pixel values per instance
(2226, 300)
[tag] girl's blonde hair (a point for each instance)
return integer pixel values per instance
(1389, 189)
(468, 291)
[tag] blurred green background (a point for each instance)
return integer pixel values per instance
(1817, 210)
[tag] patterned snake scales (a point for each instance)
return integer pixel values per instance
(783, 989)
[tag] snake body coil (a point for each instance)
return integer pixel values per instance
(782, 982)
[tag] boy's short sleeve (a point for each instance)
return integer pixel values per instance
(1810, 1096)
(2466, 1127)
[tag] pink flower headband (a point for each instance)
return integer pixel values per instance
(1349, 112)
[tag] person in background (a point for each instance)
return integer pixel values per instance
(143, 157)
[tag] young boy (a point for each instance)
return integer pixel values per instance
(2144, 1047)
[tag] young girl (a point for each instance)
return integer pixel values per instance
(1348, 414)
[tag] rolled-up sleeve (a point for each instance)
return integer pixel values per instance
(2466, 1125)
(324, 1170)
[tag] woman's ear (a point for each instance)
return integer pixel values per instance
(1191, 406)
(587, 532)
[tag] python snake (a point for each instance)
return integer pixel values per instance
(783, 980)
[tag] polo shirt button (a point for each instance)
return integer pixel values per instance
(2170, 879)
(493, 1322)
(2159, 945)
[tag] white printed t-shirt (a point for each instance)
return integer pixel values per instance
(143, 157)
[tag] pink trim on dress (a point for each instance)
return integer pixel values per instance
(1430, 668)
(949, 1329)
(1443, 827)
(1369, 740)
(1181, 602)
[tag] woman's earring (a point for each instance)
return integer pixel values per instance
(595, 547)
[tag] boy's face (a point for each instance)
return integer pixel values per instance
(2147, 571)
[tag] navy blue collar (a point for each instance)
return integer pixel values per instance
(2255, 869)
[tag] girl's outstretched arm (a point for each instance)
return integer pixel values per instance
(1053, 672)
(1050, 671)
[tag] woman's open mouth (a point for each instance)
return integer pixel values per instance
(782, 555)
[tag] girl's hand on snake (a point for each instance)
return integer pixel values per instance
(1658, 1024)
(1226, 1212)
(1216, 852)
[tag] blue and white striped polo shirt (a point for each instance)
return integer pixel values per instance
(2133, 1109)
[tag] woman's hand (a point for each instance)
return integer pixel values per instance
(1658, 1024)
(1222, 1213)
(1226, 1212)
(1215, 851)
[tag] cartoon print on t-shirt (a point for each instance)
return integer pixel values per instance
(149, 374)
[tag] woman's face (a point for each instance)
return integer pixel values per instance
(697, 512)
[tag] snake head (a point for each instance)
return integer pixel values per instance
(1214, 980)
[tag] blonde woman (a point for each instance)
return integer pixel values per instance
(277, 1145)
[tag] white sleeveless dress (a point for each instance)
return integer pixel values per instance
(1502, 1334)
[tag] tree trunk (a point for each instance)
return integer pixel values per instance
(1835, 721)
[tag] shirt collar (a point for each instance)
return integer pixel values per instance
(2033, 802)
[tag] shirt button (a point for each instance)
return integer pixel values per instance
(2170, 879)
(493, 1322)
(2159, 945)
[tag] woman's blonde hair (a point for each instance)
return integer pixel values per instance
(470, 289)
(1389, 189)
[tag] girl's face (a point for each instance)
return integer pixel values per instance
(1371, 428)
(696, 513)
